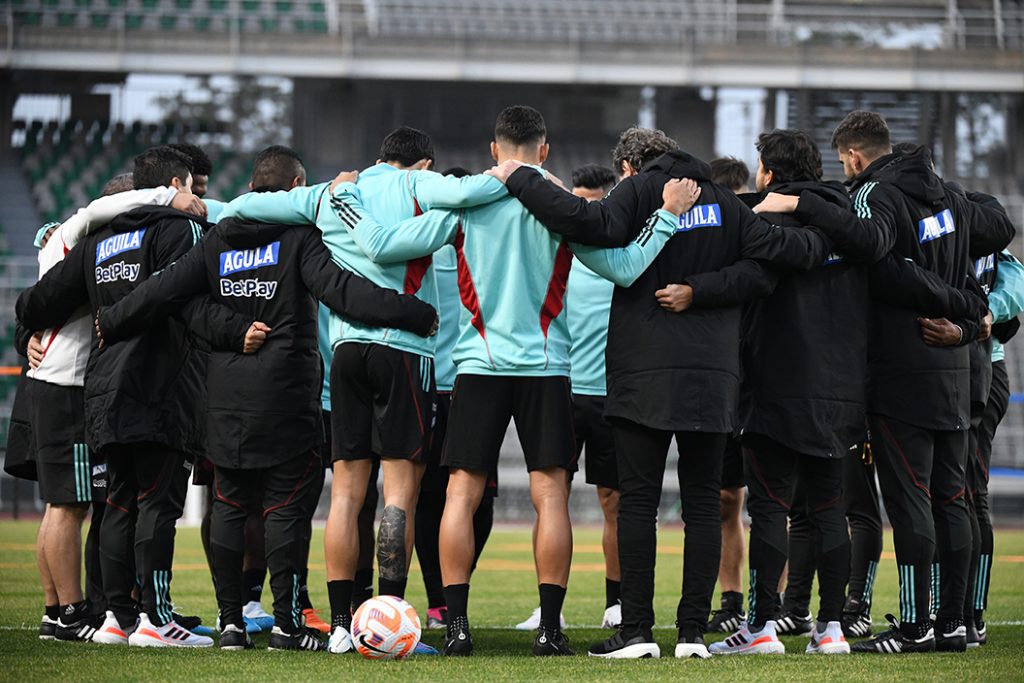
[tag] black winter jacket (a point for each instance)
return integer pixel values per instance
(151, 388)
(264, 408)
(899, 199)
(665, 370)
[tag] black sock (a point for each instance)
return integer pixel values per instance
(363, 587)
(71, 613)
(304, 602)
(252, 582)
(53, 612)
(457, 598)
(551, 599)
(732, 600)
(979, 616)
(611, 592)
(340, 595)
(915, 630)
(392, 587)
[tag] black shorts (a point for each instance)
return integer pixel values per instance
(732, 465)
(63, 461)
(382, 403)
(435, 477)
(482, 406)
(594, 435)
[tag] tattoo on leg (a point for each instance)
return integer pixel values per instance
(391, 560)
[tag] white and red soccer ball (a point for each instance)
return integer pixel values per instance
(385, 627)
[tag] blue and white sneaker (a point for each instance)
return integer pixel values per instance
(253, 611)
(424, 649)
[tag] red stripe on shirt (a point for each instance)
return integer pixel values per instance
(554, 302)
(415, 271)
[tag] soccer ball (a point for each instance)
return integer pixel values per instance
(385, 627)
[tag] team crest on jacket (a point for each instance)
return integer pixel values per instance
(118, 244)
(934, 227)
(701, 216)
(249, 259)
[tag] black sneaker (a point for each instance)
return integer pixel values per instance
(691, 646)
(973, 639)
(302, 640)
(457, 640)
(79, 630)
(856, 618)
(47, 628)
(551, 643)
(234, 637)
(894, 642)
(729, 618)
(618, 647)
(793, 624)
(951, 636)
(982, 631)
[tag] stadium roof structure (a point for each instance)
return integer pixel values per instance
(937, 45)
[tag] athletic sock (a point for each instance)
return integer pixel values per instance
(551, 599)
(71, 613)
(733, 601)
(340, 595)
(392, 587)
(304, 602)
(53, 612)
(252, 582)
(457, 597)
(612, 590)
(363, 587)
(915, 631)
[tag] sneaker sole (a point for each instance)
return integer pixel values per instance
(147, 641)
(829, 649)
(641, 651)
(765, 649)
(692, 651)
(109, 640)
(47, 637)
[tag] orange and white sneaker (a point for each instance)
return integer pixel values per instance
(111, 633)
(829, 641)
(314, 621)
(170, 634)
(747, 642)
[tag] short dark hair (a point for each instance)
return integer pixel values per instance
(864, 130)
(593, 177)
(406, 146)
(159, 166)
(201, 164)
(520, 125)
(791, 155)
(275, 167)
(456, 172)
(118, 184)
(905, 148)
(730, 172)
(639, 146)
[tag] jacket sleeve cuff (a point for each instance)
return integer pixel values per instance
(519, 179)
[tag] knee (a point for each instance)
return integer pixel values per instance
(609, 500)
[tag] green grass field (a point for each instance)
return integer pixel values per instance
(504, 592)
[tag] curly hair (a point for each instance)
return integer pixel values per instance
(638, 146)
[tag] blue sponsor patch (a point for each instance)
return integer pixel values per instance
(934, 227)
(118, 244)
(248, 259)
(701, 216)
(986, 264)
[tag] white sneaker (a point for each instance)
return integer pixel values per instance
(253, 611)
(340, 641)
(533, 623)
(170, 634)
(694, 650)
(747, 642)
(612, 616)
(829, 640)
(111, 633)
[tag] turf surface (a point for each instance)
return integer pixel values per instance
(504, 592)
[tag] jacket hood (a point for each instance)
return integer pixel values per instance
(680, 164)
(247, 234)
(912, 173)
(138, 218)
(832, 191)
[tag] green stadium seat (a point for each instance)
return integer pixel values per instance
(168, 22)
(283, 6)
(251, 5)
(150, 4)
(115, 4)
(217, 5)
(268, 25)
(183, 4)
(65, 19)
(201, 23)
(99, 20)
(317, 7)
(51, 3)
(31, 19)
(318, 26)
(133, 21)
(83, 3)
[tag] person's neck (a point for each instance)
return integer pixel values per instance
(526, 156)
